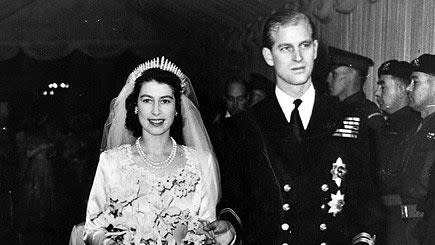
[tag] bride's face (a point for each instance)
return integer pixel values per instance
(156, 108)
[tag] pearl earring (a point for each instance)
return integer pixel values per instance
(136, 110)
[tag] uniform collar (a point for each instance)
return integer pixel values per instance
(400, 114)
(305, 109)
(429, 119)
(354, 98)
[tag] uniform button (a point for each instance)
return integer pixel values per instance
(323, 227)
(286, 207)
(285, 226)
(325, 187)
(287, 187)
(323, 206)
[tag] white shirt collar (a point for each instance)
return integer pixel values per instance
(305, 109)
(227, 114)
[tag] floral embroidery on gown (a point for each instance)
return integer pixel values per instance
(134, 206)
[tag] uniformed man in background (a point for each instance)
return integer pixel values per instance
(416, 192)
(393, 79)
(346, 81)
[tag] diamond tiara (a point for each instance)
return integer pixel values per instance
(163, 64)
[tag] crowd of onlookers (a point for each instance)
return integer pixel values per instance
(47, 165)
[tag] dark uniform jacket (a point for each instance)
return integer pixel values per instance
(390, 146)
(417, 187)
(366, 108)
(371, 121)
(285, 193)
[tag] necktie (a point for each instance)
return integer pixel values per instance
(296, 122)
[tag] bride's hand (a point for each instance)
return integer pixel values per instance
(109, 242)
(208, 234)
(100, 238)
(223, 231)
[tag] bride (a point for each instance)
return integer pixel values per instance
(149, 189)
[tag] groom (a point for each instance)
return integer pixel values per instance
(290, 174)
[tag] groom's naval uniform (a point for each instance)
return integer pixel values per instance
(284, 192)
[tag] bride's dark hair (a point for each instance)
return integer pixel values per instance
(160, 76)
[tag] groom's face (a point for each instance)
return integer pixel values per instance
(293, 53)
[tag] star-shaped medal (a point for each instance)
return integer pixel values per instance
(336, 204)
(338, 171)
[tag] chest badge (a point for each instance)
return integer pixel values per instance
(336, 204)
(338, 171)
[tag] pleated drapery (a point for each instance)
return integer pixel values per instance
(381, 30)
(51, 29)
(386, 29)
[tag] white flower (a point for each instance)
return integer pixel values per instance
(336, 203)
(116, 194)
(158, 185)
(143, 215)
(180, 233)
(168, 183)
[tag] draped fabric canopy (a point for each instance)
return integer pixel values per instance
(50, 29)
(193, 31)
(387, 29)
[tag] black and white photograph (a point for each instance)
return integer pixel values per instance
(217, 122)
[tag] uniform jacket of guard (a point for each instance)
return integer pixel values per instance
(371, 121)
(361, 104)
(371, 116)
(286, 193)
(390, 144)
(417, 187)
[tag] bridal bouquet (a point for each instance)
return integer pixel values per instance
(145, 216)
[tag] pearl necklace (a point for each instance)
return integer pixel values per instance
(157, 165)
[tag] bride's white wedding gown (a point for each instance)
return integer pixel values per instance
(186, 193)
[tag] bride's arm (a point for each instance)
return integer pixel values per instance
(223, 231)
(210, 188)
(94, 233)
